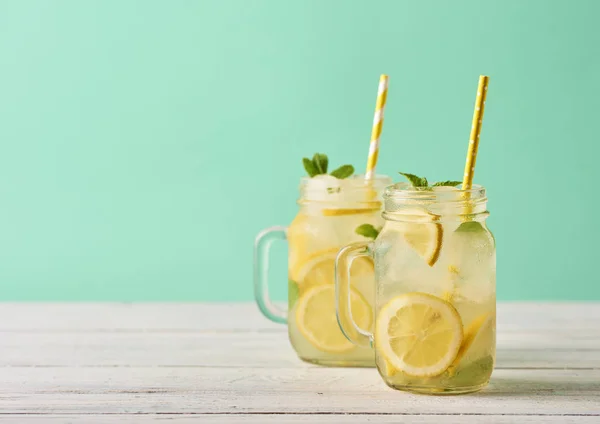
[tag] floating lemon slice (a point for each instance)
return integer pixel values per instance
(351, 211)
(316, 319)
(422, 233)
(419, 334)
(319, 268)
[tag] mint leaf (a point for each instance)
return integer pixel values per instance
(464, 375)
(446, 184)
(342, 172)
(367, 230)
(292, 293)
(320, 162)
(310, 167)
(416, 182)
(470, 227)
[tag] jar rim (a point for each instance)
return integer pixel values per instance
(405, 202)
(379, 181)
(354, 189)
(405, 191)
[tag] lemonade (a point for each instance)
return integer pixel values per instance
(334, 210)
(435, 301)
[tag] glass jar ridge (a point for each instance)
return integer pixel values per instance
(444, 203)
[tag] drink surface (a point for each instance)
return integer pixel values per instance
(330, 211)
(436, 299)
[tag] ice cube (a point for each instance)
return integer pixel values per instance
(469, 253)
(402, 270)
(324, 188)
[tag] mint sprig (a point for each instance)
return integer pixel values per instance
(318, 166)
(415, 181)
(367, 230)
(446, 184)
(421, 182)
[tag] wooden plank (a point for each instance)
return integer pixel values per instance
(521, 316)
(133, 317)
(268, 391)
(298, 418)
(574, 350)
(245, 316)
(395, 419)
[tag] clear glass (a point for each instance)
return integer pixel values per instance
(435, 262)
(330, 210)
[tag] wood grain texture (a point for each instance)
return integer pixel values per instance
(285, 390)
(519, 316)
(133, 317)
(297, 418)
(225, 363)
(572, 350)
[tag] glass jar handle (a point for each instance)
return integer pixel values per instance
(262, 245)
(343, 262)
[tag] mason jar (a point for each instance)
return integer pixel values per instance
(330, 212)
(435, 297)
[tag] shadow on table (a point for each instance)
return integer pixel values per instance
(511, 386)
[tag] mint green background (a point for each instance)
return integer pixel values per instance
(145, 143)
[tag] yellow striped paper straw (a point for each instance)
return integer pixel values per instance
(377, 126)
(475, 132)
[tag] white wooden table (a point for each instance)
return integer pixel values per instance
(211, 363)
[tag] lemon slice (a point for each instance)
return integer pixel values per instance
(422, 233)
(319, 269)
(317, 322)
(299, 237)
(350, 211)
(419, 334)
(471, 332)
(477, 337)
